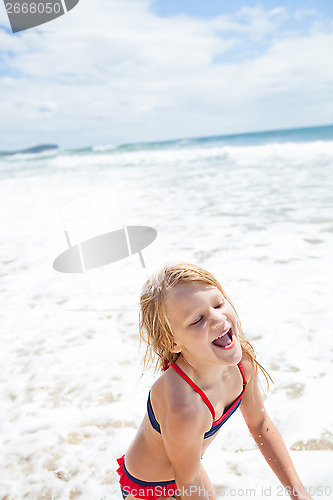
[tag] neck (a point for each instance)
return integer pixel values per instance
(203, 374)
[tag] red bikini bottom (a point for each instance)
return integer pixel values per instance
(143, 489)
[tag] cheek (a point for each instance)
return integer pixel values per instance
(199, 334)
(233, 317)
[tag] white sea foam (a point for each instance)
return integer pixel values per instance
(102, 148)
(258, 216)
(194, 153)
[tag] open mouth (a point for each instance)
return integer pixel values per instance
(225, 341)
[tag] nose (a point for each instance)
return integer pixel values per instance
(218, 319)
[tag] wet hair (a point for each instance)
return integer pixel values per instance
(154, 326)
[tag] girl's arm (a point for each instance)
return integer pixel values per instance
(269, 440)
(182, 434)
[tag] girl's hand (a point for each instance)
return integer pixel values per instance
(305, 496)
(302, 495)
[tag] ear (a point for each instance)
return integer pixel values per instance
(176, 347)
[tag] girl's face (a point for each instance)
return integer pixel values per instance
(203, 323)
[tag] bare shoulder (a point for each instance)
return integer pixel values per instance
(178, 406)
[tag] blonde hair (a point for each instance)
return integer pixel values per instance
(155, 329)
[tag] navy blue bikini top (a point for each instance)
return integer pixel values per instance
(217, 424)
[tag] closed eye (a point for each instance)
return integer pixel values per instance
(197, 322)
(201, 317)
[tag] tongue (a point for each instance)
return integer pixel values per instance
(223, 341)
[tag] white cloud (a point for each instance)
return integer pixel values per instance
(277, 11)
(301, 14)
(47, 106)
(112, 71)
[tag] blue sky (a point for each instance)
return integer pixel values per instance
(118, 71)
(213, 8)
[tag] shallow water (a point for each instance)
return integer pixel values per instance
(256, 212)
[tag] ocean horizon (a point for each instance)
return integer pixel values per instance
(298, 134)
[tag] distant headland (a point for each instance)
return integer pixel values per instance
(36, 149)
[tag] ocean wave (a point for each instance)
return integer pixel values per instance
(277, 153)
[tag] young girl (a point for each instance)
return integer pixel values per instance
(210, 370)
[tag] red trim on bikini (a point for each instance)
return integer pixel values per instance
(203, 395)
